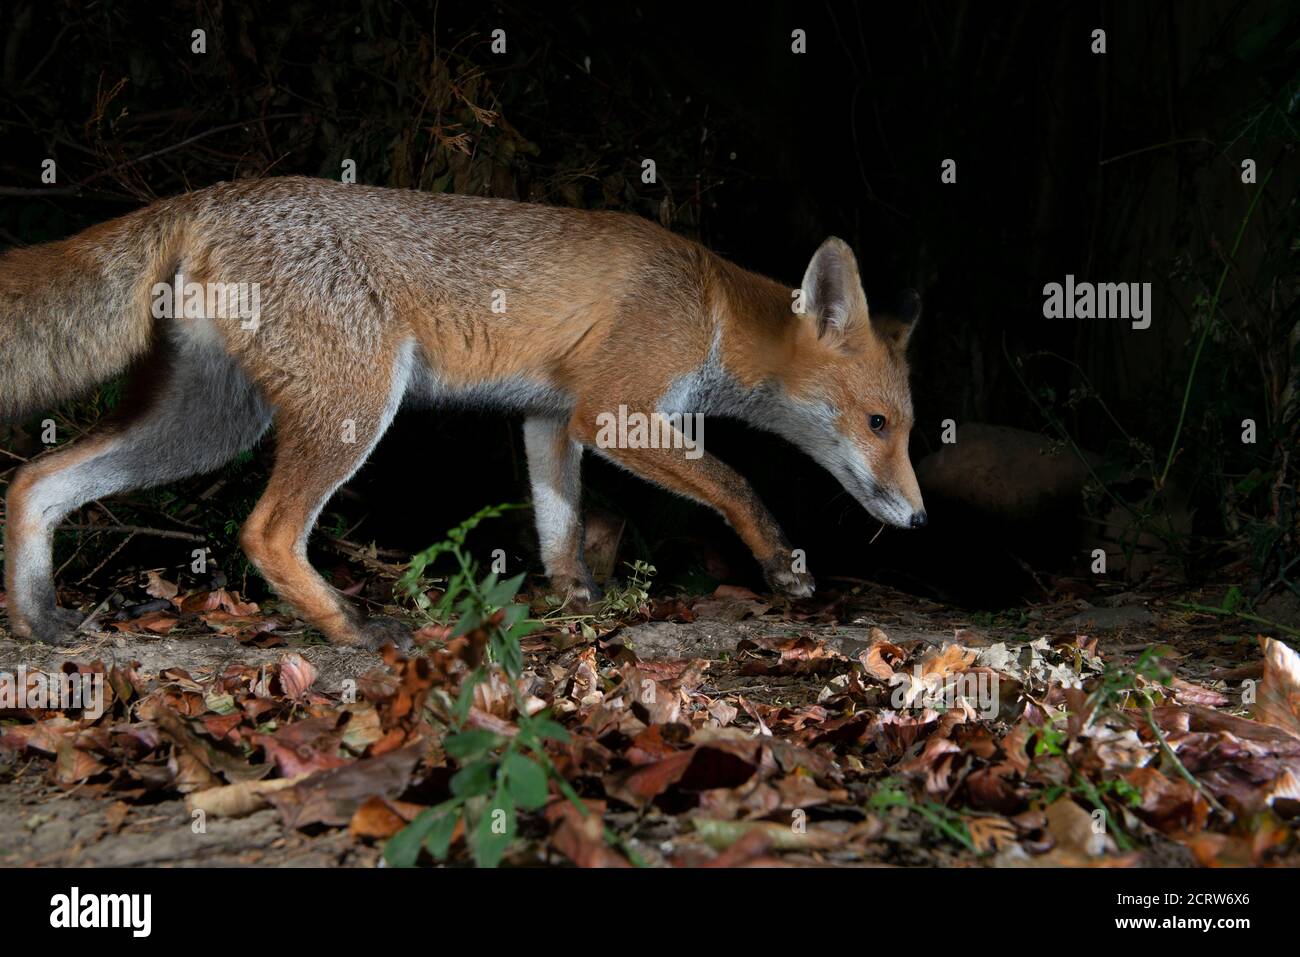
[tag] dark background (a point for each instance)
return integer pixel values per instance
(1120, 167)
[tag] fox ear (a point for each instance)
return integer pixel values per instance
(897, 329)
(909, 307)
(831, 293)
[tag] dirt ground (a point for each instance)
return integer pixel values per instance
(42, 824)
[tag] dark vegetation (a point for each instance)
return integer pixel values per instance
(1122, 167)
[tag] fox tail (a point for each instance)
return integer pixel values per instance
(76, 312)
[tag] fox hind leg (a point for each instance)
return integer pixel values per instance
(555, 473)
(323, 435)
(204, 414)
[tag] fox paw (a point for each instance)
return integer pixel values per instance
(377, 632)
(580, 593)
(787, 583)
(57, 626)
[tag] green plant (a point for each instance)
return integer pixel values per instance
(1232, 608)
(889, 794)
(630, 598)
(1120, 687)
(463, 582)
(498, 776)
(1112, 692)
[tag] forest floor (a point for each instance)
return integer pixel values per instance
(869, 727)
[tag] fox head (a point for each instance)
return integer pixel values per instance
(849, 401)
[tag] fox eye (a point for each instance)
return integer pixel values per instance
(877, 422)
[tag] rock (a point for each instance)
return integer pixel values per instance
(1014, 474)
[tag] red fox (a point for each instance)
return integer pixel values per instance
(371, 298)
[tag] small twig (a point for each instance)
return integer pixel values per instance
(1182, 770)
(348, 532)
(1245, 615)
(133, 530)
(77, 189)
(85, 624)
(362, 551)
(77, 551)
(1032, 574)
(1157, 146)
(111, 555)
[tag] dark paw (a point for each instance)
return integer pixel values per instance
(57, 626)
(377, 632)
(579, 594)
(788, 583)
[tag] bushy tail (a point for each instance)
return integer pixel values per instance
(75, 313)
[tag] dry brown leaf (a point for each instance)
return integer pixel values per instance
(158, 587)
(1074, 829)
(877, 658)
(581, 837)
(954, 659)
(379, 818)
(158, 622)
(297, 674)
(1170, 804)
(1279, 692)
(236, 800)
(722, 712)
(990, 834)
(116, 815)
(1189, 693)
(72, 765)
(332, 797)
(735, 593)
(217, 600)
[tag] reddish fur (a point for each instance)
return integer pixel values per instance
(604, 308)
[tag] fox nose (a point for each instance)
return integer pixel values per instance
(919, 519)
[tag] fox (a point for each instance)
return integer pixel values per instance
(371, 299)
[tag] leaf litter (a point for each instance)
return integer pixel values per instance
(789, 749)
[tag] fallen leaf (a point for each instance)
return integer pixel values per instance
(1076, 831)
(297, 674)
(1279, 691)
(1167, 803)
(116, 816)
(881, 656)
(581, 837)
(781, 837)
(380, 818)
(990, 834)
(158, 587)
(236, 800)
(158, 622)
(332, 797)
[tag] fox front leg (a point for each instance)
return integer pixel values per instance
(555, 474)
(712, 482)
